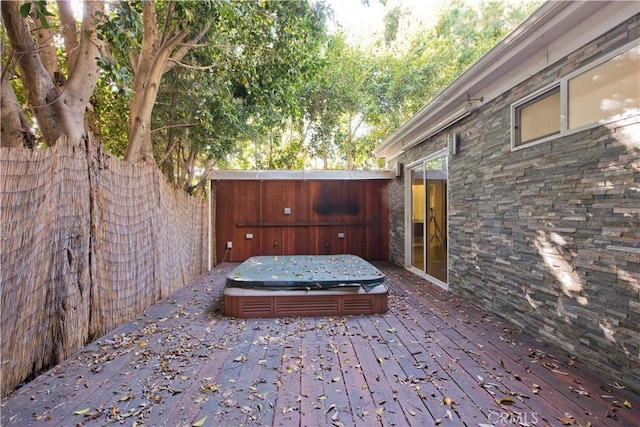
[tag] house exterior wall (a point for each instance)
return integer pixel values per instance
(547, 236)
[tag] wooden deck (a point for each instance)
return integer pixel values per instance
(431, 360)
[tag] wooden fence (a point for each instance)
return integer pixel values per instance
(87, 242)
(300, 217)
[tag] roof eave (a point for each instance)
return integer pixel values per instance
(512, 49)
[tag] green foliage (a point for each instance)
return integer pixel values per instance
(362, 94)
(108, 118)
(246, 83)
(40, 10)
(241, 86)
(268, 87)
(400, 85)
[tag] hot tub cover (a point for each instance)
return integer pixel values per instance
(305, 272)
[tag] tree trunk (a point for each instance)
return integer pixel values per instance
(201, 186)
(14, 128)
(58, 104)
(149, 66)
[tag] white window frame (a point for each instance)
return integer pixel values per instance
(515, 121)
(564, 103)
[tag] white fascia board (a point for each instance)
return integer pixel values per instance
(553, 31)
(423, 134)
(300, 175)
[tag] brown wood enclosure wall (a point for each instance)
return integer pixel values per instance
(311, 217)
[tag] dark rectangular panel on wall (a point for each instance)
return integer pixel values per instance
(310, 217)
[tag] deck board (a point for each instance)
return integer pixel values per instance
(182, 361)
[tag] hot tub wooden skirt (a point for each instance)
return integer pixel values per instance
(242, 303)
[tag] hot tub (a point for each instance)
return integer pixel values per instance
(304, 285)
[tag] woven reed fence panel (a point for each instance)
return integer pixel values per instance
(87, 242)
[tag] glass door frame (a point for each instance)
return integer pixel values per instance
(408, 223)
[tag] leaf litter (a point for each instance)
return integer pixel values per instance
(166, 349)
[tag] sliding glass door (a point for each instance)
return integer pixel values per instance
(417, 217)
(428, 208)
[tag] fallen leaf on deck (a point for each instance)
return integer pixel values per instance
(581, 392)
(199, 423)
(506, 401)
(210, 387)
(335, 379)
(616, 385)
(81, 411)
(323, 397)
(448, 401)
(241, 358)
(627, 404)
(380, 411)
(566, 421)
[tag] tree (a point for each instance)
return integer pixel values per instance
(153, 38)
(402, 82)
(241, 86)
(58, 87)
(192, 84)
(233, 61)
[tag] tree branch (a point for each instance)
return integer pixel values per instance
(186, 47)
(84, 74)
(200, 185)
(172, 145)
(191, 67)
(46, 43)
(69, 31)
(15, 131)
(24, 49)
(167, 19)
(183, 125)
(139, 147)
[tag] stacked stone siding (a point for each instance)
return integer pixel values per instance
(547, 236)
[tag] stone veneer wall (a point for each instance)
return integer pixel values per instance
(547, 237)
